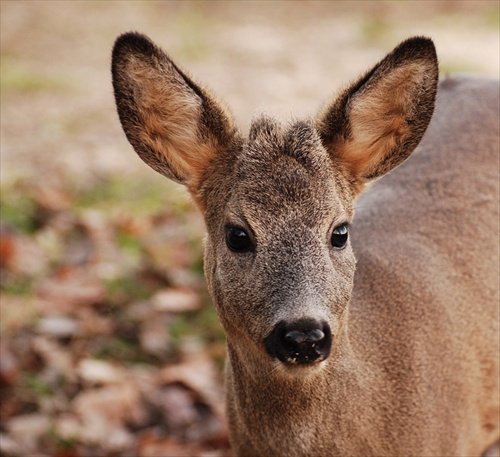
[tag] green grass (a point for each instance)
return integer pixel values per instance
(17, 76)
(125, 349)
(129, 243)
(36, 385)
(491, 16)
(124, 289)
(20, 211)
(450, 68)
(134, 196)
(22, 287)
(17, 209)
(192, 26)
(203, 324)
(375, 29)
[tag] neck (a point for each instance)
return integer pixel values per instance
(268, 403)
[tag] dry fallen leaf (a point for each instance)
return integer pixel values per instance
(198, 373)
(58, 326)
(151, 446)
(69, 290)
(56, 357)
(51, 198)
(192, 399)
(93, 324)
(153, 335)
(101, 234)
(94, 371)
(27, 430)
(9, 365)
(105, 412)
(68, 427)
(166, 244)
(9, 446)
(176, 300)
(21, 255)
(7, 247)
(16, 312)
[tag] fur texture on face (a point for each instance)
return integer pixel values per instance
(287, 195)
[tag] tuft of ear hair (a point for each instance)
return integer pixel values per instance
(377, 122)
(174, 125)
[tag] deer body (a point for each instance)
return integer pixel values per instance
(372, 337)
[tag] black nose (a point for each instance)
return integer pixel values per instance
(305, 341)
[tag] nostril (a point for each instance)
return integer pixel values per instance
(298, 337)
(315, 335)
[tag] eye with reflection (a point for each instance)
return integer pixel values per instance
(237, 239)
(340, 236)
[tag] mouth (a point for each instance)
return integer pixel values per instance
(300, 359)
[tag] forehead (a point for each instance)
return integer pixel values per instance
(287, 173)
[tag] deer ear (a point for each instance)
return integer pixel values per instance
(175, 126)
(376, 123)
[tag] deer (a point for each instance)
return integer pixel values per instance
(369, 336)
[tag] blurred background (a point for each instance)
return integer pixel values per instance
(109, 344)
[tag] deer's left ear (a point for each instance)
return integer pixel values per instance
(376, 123)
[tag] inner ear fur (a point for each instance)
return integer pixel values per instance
(174, 125)
(376, 123)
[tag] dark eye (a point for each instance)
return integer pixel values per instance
(237, 239)
(340, 236)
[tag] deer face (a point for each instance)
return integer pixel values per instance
(278, 259)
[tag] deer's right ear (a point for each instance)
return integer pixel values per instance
(377, 122)
(175, 126)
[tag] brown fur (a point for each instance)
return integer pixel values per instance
(413, 368)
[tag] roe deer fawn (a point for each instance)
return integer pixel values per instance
(395, 354)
